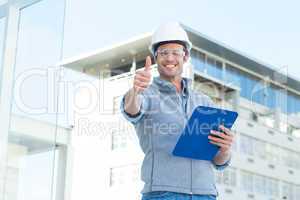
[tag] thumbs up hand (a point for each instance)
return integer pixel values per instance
(142, 78)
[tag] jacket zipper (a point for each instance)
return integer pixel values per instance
(191, 188)
(186, 117)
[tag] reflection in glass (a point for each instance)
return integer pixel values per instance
(2, 140)
(31, 157)
(2, 29)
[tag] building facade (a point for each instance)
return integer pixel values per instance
(266, 157)
(62, 134)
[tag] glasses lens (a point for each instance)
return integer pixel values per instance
(174, 52)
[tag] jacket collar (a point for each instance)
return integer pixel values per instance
(166, 86)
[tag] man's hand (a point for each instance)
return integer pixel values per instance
(223, 140)
(141, 81)
(142, 78)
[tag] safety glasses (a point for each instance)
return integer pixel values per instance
(164, 53)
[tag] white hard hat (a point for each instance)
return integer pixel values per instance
(171, 31)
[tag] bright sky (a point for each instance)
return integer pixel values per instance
(266, 30)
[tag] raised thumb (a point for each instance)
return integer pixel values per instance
(148, 63)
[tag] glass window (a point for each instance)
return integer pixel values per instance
(29, 175)
(246, 86)
(284, 157)
(247, 181)
(259, 184)
(250, 84)
(214, 68)
(2, 141)
(293, 159)
(255, 89)
(297, 104)
(2, 29)
(119, 139)
(232, 76)
(297, 192)
(233, 177)
(276, 151)
(227, 177)
(260, 148)
(272, 153)
(246, 145)
(287, 191)
(258, 92)
(271, 96)
(266, 185)
(128, 174)
(296, 159)
(275, 187)
(36, 77)
(33, 119)
(293, 103)
(198, 60)
(219, 176)
(123, 136)
(288, 158)
(281, 99)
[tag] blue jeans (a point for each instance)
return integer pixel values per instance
(162, 195)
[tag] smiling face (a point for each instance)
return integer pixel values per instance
(170, 58)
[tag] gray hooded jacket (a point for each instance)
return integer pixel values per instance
(164, 113)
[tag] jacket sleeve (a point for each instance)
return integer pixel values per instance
(136, 118)
(222, 167)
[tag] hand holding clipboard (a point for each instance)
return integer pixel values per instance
(194, 142)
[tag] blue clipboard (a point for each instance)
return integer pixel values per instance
(193, 142)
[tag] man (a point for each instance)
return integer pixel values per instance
(159, 112)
